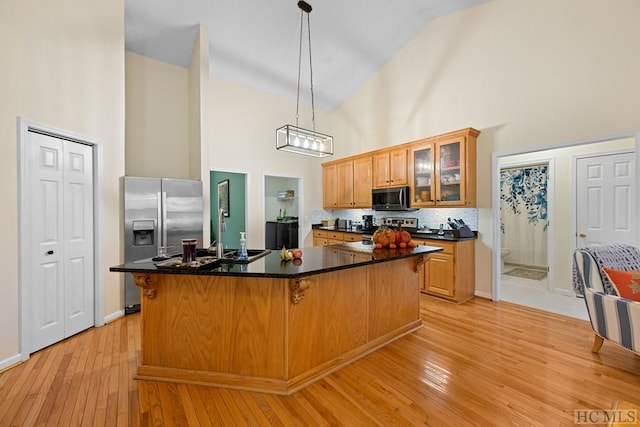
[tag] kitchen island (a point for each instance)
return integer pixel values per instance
(274, 326)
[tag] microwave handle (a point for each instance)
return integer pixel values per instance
(402, 197)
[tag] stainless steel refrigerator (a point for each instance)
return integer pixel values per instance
(158, 212)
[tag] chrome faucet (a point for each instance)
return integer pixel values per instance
(222, 227)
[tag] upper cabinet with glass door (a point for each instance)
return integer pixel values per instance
(444, 170)
(422, 169)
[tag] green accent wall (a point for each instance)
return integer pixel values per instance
(236, 221)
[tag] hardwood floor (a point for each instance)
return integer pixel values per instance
(478, 363)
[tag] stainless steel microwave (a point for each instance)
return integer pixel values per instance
(391, 199)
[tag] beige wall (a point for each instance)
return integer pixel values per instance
(238, 135)
(62, 66)
(528, 74)
(242, 127)
(157, 125)
(561, 224)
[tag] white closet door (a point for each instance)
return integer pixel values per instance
(61, 222)
(78, 237)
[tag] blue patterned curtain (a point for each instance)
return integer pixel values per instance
(524, 190)
(523, 214)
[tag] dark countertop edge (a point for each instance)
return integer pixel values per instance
(195, 272)
(448, 236)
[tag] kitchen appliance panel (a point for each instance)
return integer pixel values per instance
(281, 233)
(391, 199)
(141, 214)
(182, 212)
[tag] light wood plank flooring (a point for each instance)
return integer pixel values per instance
(478, 363)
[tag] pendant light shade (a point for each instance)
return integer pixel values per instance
(294, 138)
(303, 141)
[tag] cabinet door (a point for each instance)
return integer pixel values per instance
(424, 268)
(421, 168)
(381, 170)
(329, 186)
(451, 173)
(440, 279)
(320, 241)
(398, 167)
(345, 184)
(362, 183)
(390, 168)
(361, 257)
(352, 237)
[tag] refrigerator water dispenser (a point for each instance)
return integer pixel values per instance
(143, 233)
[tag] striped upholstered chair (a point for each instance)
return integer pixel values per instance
(612, 317)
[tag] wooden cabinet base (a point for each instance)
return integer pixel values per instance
(270, 385)
(269, 334)
(450, 274)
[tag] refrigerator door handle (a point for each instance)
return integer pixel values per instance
(159, 224)
(165, 240)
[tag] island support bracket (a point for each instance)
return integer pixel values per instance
(298, 287)
(418, 262)
(147, 283)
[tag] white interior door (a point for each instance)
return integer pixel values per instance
(605, 199)
(61, 223)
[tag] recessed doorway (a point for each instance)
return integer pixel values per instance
(228, 189)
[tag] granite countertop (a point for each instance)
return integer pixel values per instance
(447, 236)
(315, 260)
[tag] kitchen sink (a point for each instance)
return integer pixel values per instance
(230, 255)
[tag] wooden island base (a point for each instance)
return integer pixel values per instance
(273, 335)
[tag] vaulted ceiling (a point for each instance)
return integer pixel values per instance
(256, 42)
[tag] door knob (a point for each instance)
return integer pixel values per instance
(582, 235)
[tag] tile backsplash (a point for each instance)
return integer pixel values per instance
(431, 217)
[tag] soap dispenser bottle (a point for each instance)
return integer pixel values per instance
(242, 253)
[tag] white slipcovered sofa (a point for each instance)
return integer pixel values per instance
(612, 317)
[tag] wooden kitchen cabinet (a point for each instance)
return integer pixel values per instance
(352, 237)
(442, 170)
(449, 274)
(347, 183)
(320, 238)
(354, 183)
(331, 237)
(330, 186)
(390, 168)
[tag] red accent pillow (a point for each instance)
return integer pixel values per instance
(626, 283)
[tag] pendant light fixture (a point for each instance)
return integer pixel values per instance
(294, 138)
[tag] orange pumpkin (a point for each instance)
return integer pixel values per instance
(384, 236)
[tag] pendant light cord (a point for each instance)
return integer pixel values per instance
(313, 108)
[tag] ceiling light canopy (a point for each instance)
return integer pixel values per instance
(294, 138)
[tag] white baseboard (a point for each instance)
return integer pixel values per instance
(7, 363)
(482, 294)
(565, 292)
(113, 316)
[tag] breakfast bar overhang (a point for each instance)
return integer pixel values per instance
(275, 326)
